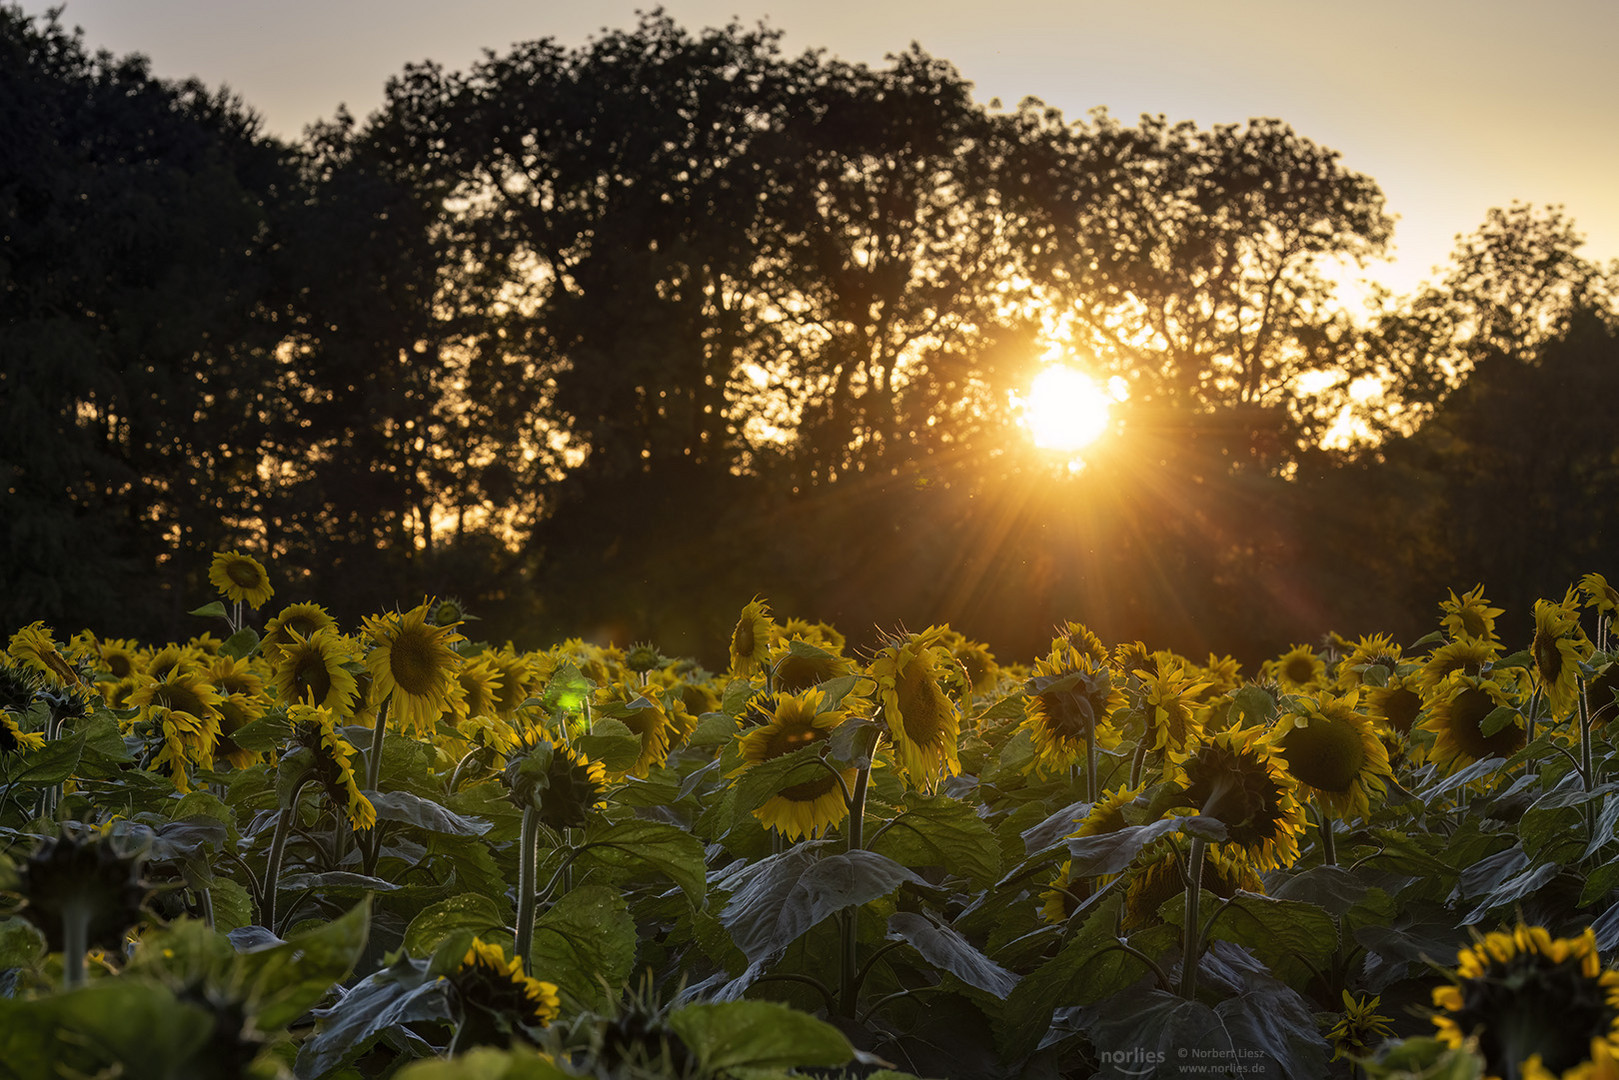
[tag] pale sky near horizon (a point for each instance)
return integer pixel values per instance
(1452, 106)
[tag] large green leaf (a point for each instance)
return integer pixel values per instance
(636, 846)
(21, 944)
(947, 950)
(612, 743)
(774, 901)
(758, 1035)
(944, 832)
(50, 764)
(129, 1027)
(391, 998)
(1289, 935)
(1111, 853)
(466, 911)
(485, 1063)
(585, 940)
(287, 980)
(424, 813)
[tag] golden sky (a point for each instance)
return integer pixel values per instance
(1453, 106)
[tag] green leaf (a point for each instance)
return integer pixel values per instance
(21, 943)
(713, 729)
(758, 1035)
(289, 979)
(1011, 707)
(1331, 888)
(947, 950)
(264, 734)
(612, 743)
(240, 644)
(467, 911)
(391, 998)
(233, 904)
(50, 764)
(485, 1063)
(586, 938)
(290, 775)
(215, 610)
(424, 813)
(774, 901)
(1252, 705)
(944, 832)
(738, 692)
(129, 1027)
(1501, 717)
(1283, 933)
(636, 845)
(761, 782)
(1111, 853)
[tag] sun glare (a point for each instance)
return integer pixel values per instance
(1066, 409)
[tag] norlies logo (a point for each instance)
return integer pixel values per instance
(1133, 1062)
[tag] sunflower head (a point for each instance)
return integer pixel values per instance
(317, 668)
(1361, 1028)
(495, 997)
(796, 665)
(1159, 876)
(1470, 656)
(34, 647)
(1469, 617)
(315, 728)
(1077, 640)
(1558, 647)
(792, 722)
(1239, 777)
(1599, 594)
(923, 721)
(751, 638)
(1169, 703)
(83, 874)
(1458, 709)
(240, 578)
(13, 739)
(303, 618)
(1299, 668)
(560, 783)
(1070, 700)
(413, 665)
(1334, 753)
(1523, 994)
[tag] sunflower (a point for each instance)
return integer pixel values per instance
(1361, 1029)
(978, 662)
(823, 634)
(923, 721)
(1239, 777)
(1299, 668)
(315, 669)
(1223, 674)
(184, 690)
(1106, 815)
(1070, 698)
(559, 782)
(1599, 594)
(172, 657)
(1063, 895)
(1457, 709)
(1559, 646)
(241, 578)
(183, 741)
(1396, 704)
(751, 638)
(1470, 656)
(314, 727)
(1527, 997)
(413, 665)
(1159, 876)
(798, 665)
(13, 739)
(1374, 650)
(1073, 637)
(34, 647)
(496, 987)
(242, 701)
(644, 715)
(1469, 617)
(480, 686)
(514, 673)
(813, 806)
(1168, 701)
(1333, 752)
(118, 658)
(304, 618)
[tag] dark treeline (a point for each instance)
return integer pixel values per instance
(605, 341)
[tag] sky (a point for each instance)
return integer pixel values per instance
(1452, 106)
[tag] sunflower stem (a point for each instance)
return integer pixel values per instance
(1135, 765)
(1587, 773)
(1090, 760)
(1529, 726)
(373, 761)
(1193, 932)
(849, 981)
(75, 943)
(1329, 850)
(527, 896)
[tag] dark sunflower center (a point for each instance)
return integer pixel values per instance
(411, 662)
(1326, 755)
(244, 575)
(1530, 1006)
(919, 706)
(179, 698)
(787, 738)
(119, 666)
(1473, 624)
(1548, 657)
(796, 673)
(1300, 669)
(1066, 714)
(1400, 707)
(1467, 712)
(310, 676)
(743, 640)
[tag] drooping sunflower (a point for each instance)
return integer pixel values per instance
(315, 668)
(1599, 594)
(1169, 703)
(1159, 876)
(751, 638)
(1299, 668)
(304, 618)
(184, 690)
(516, 675)
(1527, 997)
(1469, 617)
(241, 579)
(493, 995)
(413, 666)
(480, 686)
(1333, 752)
(923, 722)
(812, 806)
(1238, 776)
(242, 701)
(1471, 656)
(1457, 709)
(1370, 651)
(1558, 647)
(1066, 891)
(975, 658)
(1073, 637)
(182, 741)
(823, 634)
(1106, 815)
(644, 715)
(314, 727)
(1070, 700)
(13, 739)
(558, 781)
(797, 665)
(34, 647)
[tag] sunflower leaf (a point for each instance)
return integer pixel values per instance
(1111, 853)
(1012, 707)
(766, 779)
(630, 847)
(947, 950)
(211, 611)
(464, 911)
(50, 764)
(732, 1035)
(1499, 719)
(1288, 935)
(290, 978)
(21, 943)
(586, 939)
(388, 999)
(944, 832)
(424, 813)
(612, 743)
(240, 644)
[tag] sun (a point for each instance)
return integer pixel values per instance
(1066, 409)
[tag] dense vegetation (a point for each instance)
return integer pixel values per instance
(607, 339)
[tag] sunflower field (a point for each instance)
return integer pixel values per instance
(288, 848)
